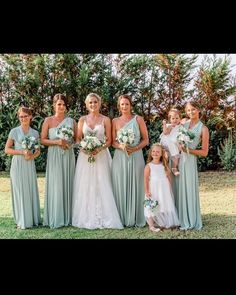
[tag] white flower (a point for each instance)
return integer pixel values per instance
(126, 136)
(185, 137)
(30, 143)
(90, 143)
(65, 132)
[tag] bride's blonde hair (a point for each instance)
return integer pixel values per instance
(93, 95)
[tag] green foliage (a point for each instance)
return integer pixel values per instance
(214, 90)
(227, 152)
(156, 82)
(154, 132)
(212, 161)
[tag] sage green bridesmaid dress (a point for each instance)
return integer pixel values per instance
(188, 202)
(59, 182)
(128, 183)
(24, 186)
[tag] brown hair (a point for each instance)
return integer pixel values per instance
(126, 96)
(162, 159)
(195, 104)
(26, 110)
(60, 96)
(173, 111)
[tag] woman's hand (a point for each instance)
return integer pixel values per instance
(148, 194)
(64, 144)
(182, 148)
(98, 150)
(28, 155)
(131, 149)
(122, 146)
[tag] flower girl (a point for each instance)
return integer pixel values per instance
(157, 187)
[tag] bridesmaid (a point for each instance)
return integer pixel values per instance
(188, 202)
(24, 186)
(128, 170)
(60, 166)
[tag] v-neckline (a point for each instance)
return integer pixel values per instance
(94, 126)
(193, 125)
(25, 134)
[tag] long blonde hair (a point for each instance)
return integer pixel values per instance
(162, 159)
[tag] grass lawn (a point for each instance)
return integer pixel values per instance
(218, 207)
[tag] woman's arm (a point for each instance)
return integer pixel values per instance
(115, 143)
(10, 151)
(107, 132)
(79, 133)
(75, 130)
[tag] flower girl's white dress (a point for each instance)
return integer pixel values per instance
(166, 213)
(93, 204)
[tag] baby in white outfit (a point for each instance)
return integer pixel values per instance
(169, 137)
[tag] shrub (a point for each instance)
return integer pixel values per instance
(227, 152)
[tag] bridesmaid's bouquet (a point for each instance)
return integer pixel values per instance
(90, 143)
(125, 137)
(66, 133)
(150, 206)
(30, 143)
(185, 136)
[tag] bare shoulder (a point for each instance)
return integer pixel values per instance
(205, 129)
(139, 119)
(115, 120)
(106, 119)
(82, 119)
(48, 120)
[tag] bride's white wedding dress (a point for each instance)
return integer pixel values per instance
(93, 204)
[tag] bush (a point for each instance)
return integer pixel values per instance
(227, 152)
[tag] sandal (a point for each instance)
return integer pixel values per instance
(175, 171)
(154, 229)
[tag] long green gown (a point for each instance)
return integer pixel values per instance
(128, 183)
(59, 182)
(188, 202)
(24, 186)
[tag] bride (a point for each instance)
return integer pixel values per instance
(93, 204)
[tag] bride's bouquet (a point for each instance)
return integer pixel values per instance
(150, 206)
(184, 137)
(90, 143)
(30, 143)
(125, 137)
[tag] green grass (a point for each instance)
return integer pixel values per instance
(218, 207)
